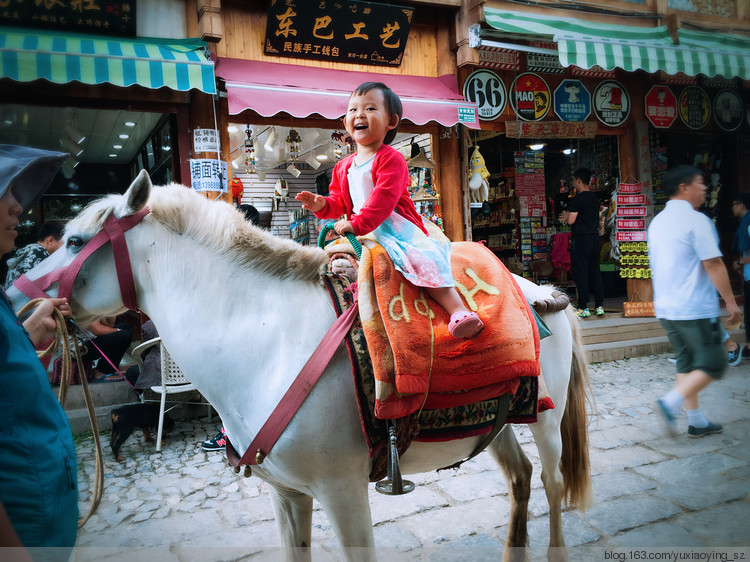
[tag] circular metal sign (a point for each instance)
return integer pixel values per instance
(694, 107)
(611, 103)
(484, 88)
(728, 110)
(530, 97)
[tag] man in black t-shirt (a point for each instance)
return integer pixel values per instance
(583, 217)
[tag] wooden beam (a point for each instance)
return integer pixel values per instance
(451, 186)
(210, 24)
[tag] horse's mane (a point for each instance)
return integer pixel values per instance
(222, 229)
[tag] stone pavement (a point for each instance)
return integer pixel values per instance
(650, 490)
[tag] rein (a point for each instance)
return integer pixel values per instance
(114, 232)
(298, 391)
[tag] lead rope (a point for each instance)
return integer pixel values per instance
(62, 340)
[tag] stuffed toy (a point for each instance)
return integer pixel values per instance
(478, 185)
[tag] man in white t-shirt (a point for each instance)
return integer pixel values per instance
(684, 255)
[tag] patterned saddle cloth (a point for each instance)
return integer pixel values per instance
(441, 424)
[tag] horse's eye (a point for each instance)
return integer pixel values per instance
(75, 242)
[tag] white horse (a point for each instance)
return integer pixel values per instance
(241, 311)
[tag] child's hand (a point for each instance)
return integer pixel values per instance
(311, 201)
(342, 227)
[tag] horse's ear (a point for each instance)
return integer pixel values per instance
(136, 196)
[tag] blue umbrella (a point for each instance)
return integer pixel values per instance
(28, 172)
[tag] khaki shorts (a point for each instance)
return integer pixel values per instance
(698, 345)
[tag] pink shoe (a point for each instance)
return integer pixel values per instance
(465, 324)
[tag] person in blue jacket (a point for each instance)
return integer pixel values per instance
(38, 477)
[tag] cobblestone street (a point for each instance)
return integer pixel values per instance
(650, 490)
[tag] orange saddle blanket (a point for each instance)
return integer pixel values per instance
(416, 362)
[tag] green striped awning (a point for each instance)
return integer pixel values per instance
(585, 44)
(60, 57)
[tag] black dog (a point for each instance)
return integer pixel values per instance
(126, 418)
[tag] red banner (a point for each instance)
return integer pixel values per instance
(631, 199)
(631, 223)
(630, 187)
(632, 211)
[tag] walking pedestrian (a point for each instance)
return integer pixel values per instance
(741, 249)
(583, 217)
(687, 272)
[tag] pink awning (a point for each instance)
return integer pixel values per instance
(270, 88)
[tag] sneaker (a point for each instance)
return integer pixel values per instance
(600, 311)
(668, 417)
(218, 443)
(694, 432)
(735, 356)
(672, 360)
(583, 313)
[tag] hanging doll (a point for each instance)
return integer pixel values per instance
(478, 184)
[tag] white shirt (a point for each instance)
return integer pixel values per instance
(679, 239)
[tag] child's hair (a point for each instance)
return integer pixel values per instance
(392, 104)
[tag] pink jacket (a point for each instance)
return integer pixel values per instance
(390, 175)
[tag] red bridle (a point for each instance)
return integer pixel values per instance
(114, 232)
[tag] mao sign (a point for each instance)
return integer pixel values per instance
(530, 97)
(484, 88)
(572, 101)
(611, 103)
(343, 31)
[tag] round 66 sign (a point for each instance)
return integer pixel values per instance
(484, 88)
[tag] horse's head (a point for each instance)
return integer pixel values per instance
(85, 268)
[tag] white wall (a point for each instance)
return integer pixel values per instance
(161, 18)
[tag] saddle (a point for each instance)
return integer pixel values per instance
(417, 363)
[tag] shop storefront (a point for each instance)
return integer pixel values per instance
(116, 103)
(557, 93)
(283, 103)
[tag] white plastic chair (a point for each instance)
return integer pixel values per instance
(173, 382)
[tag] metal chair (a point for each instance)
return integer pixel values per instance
(173, 383)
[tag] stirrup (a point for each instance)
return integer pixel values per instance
(393, 485)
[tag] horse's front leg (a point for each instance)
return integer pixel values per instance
(347, 506)
(517, 470)
(293, 512)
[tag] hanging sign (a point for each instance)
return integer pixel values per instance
(632, 211)
(595, 71)
(572, 101)
(343, 31)
(634, 236)
(630, 187)
(113, 17)
(206, 140)
(611, 103)
(551, 130)
(503, 59)
(695, 107)
(661, 106)
(530, 97)
(484, 88)
(542, 62)
(630, 199)
(209, 175)
(637, 224)
(728, 110)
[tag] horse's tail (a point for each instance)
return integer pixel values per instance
(574, 463)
